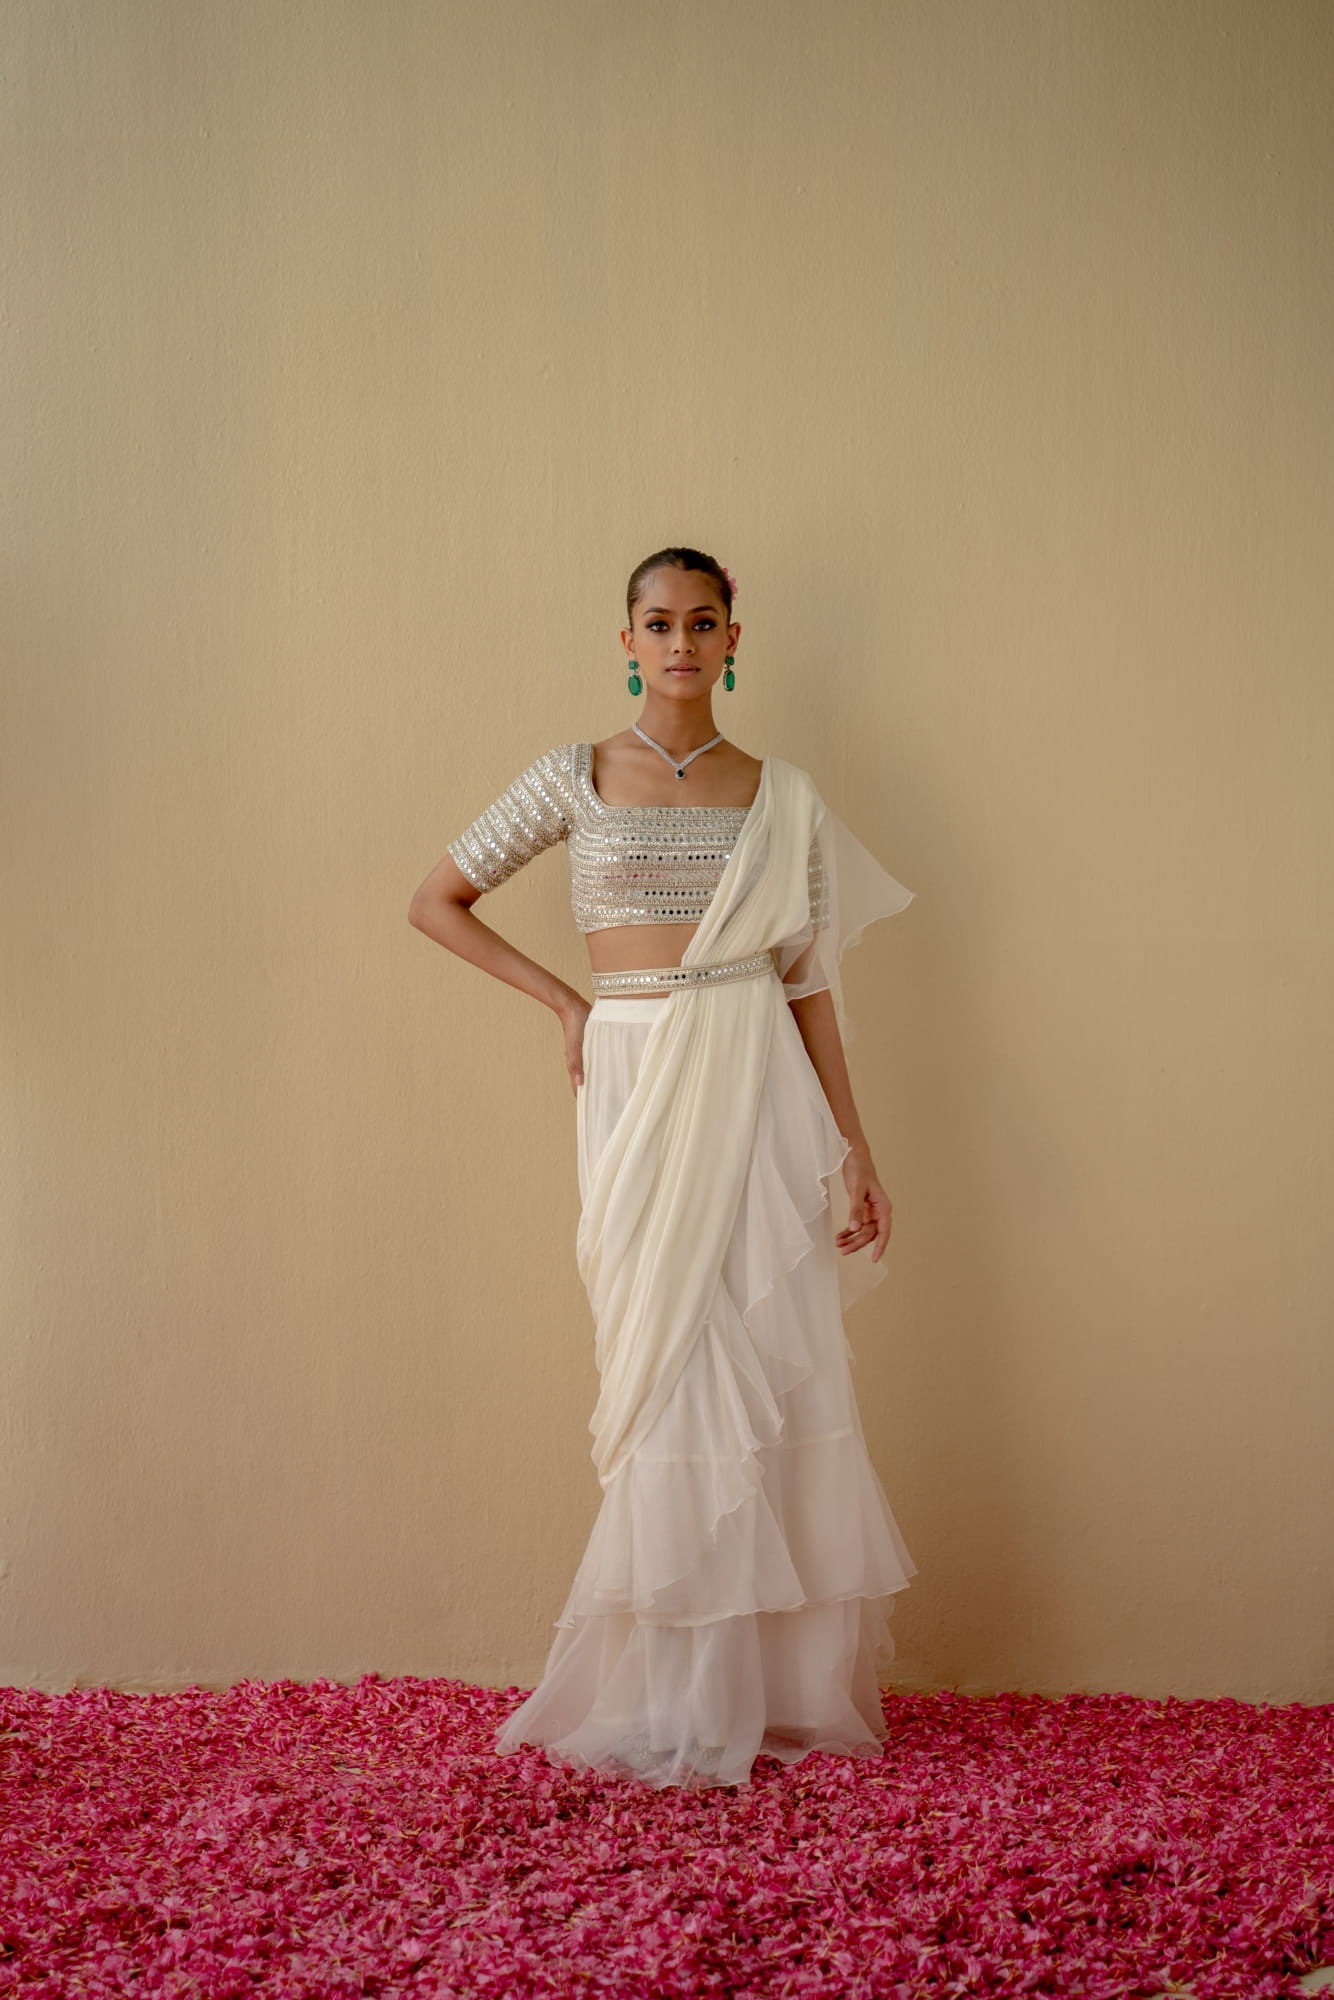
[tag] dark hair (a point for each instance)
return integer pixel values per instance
(676, 559)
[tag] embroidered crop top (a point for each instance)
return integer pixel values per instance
(628, 864)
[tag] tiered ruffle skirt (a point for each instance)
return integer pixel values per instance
(734, 1597)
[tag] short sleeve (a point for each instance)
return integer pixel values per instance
(532, 813)
(847, 889)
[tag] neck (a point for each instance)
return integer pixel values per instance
(680, 726)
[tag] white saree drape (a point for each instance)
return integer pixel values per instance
(660, 1207)
(705, 1244)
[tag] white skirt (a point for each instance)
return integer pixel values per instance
(728, 1609)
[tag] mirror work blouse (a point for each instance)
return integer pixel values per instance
(628, 864)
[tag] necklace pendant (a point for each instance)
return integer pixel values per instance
(666, 755)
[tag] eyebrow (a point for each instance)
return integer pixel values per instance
(665, 610)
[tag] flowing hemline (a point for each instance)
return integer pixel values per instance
(785, 1606)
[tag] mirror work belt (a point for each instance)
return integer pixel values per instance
(665, 978)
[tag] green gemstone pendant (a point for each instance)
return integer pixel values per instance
(635, 684)
(729, 678)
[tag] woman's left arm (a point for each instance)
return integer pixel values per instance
(870, 1211)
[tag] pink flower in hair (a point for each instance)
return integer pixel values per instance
(730, 578)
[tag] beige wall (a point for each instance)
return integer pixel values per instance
(354, 354)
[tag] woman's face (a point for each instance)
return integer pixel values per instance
(680, 622)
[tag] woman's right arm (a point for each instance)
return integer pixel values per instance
(441, 908)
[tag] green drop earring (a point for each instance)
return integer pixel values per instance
(636, 685)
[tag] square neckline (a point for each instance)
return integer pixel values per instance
(603, 805)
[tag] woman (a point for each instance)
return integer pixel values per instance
(733, 1600)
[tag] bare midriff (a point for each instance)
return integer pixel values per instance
(634, 947)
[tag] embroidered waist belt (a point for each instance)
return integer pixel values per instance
(664, 978)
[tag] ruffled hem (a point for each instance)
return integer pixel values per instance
(695, 1706)
(811, 1524)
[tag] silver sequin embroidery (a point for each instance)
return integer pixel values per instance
(628, 864)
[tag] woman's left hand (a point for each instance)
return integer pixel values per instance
(870, 1210)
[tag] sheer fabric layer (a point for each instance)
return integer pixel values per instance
(733, 1599)
(857, 893)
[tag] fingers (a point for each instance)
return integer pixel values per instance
(858, 1217)
(855, 1235)
(869, 1221)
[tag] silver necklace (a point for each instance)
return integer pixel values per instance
(680, 769)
